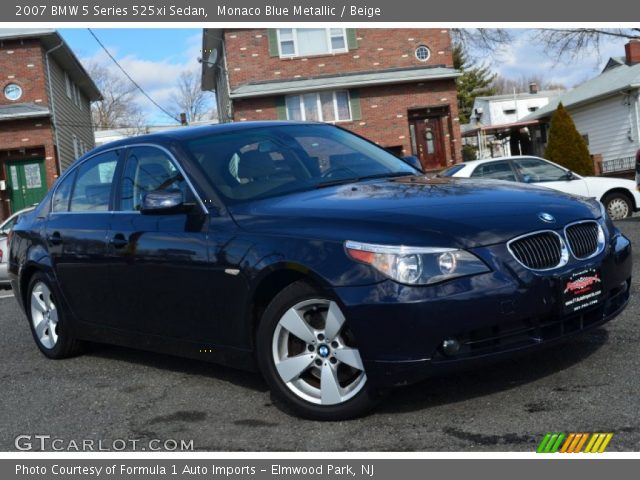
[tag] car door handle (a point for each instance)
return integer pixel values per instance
(118, 241)
(54, 238)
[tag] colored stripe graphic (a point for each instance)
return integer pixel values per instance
(599, 442)
(554, 442)
(550, 443)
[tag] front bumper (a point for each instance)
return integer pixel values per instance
(400, 329)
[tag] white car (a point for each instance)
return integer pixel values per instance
(620, 197)
(5, 227)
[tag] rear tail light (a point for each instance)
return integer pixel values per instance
(1, 255)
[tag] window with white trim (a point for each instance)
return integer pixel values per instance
(76, 149)
(67, 84)
(329, 106)
(298, 42)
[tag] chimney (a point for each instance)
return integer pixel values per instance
(533, 88)
(632, 51)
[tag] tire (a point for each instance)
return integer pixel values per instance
(320, 376)
(48, 324)
(618, 205)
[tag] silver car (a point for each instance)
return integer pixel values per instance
(5, 227)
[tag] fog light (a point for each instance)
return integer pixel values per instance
(450, 346)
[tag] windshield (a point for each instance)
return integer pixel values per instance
(266, 161)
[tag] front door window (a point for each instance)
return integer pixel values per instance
(429, 138)
(32, 175)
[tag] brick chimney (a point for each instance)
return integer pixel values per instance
(632, 51)
(533, 88)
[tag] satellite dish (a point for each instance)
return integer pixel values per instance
(212, 57)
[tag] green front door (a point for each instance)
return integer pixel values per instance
(27, 182)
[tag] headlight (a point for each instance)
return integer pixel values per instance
(416, 265)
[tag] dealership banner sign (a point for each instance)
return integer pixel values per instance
(359, 469)
(251, 11)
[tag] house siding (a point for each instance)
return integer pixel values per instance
(69, 118)
(612, 126)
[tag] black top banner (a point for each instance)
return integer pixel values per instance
(251, 11)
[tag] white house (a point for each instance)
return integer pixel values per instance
(509, 108)
(111, 135)
(606, 111)
(496, 127)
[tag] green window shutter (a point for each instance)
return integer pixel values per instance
(354, 103)
(281, 108)
(352, 39)
(273, 42)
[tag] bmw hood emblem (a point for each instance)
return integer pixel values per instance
(546, 217)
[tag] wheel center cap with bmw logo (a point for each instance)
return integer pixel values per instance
(546, 217)
(323, 351)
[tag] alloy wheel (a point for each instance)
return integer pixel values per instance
(315, 353)
(44, 315)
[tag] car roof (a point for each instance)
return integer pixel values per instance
(480, 161)
(189, 133)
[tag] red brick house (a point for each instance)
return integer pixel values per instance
(393, 86)
(45, 114)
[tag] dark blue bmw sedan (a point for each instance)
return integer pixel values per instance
(311, 254)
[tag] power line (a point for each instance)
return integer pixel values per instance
(131, 79)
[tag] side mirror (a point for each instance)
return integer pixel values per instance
(162, 202)
(527, 179)
(4, 233)
(569, 175)
(413, 161)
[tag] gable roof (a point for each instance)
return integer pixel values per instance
(613, 63)
(608, 83)
(52, 41)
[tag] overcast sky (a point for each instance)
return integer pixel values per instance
(156, 57)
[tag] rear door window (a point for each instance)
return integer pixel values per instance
(60, 201)
(94, 181)
(495, 170)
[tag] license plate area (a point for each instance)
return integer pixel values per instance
(581, 290)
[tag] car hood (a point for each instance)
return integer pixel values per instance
(448, 212)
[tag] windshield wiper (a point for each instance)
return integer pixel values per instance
(340, 181)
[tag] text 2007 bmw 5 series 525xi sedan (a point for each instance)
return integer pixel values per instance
(311, 254)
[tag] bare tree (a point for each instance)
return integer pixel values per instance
(573, 43)
(118, 108)
(504, 85)
(483, 40)
(190, 98)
